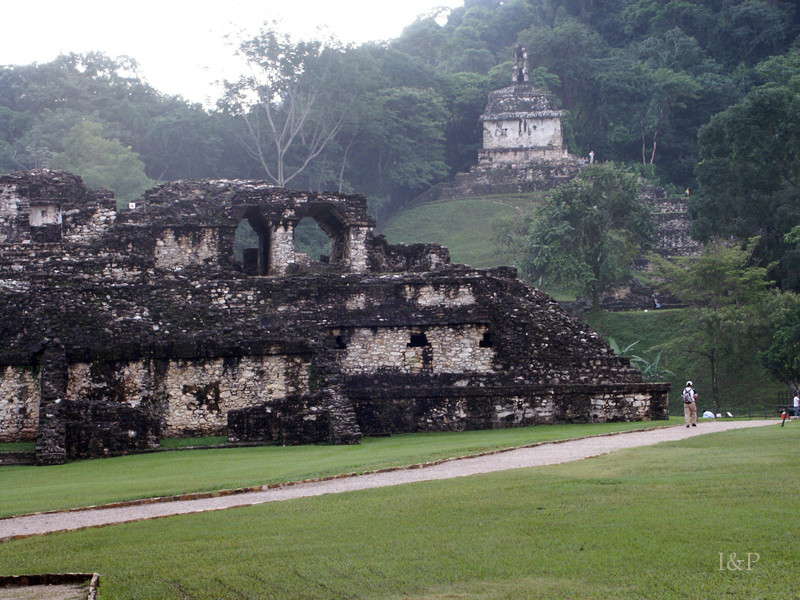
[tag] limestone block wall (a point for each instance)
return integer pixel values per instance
(45, 214)
(357, 255)
(440, 296)
(447, 408)
(520, 159)
(439, 349)
(523, 132)
(78, 229)
(19, 404)
(13, 215)
(192, 396)
(636, 405)
(180, 248)
(281, 251)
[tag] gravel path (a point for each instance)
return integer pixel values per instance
(545, 454)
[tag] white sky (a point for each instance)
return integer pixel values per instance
(180, 45)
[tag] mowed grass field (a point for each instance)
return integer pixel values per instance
(467, 226)
(25, 489)
(663, 522)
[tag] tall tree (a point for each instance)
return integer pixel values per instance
(587, 233)
(286, 101)
(730, 311)
(782, 357)
(103, 163)
(749, 172)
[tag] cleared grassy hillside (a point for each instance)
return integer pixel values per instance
(467, 226)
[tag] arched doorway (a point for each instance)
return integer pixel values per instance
(333, 225)
(251, 246)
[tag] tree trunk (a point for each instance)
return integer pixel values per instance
(714, 386)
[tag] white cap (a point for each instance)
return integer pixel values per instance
(689, 383)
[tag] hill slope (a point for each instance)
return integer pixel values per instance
(468, 226)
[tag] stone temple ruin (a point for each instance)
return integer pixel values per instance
(119, 328)
(523, 143)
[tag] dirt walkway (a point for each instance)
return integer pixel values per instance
(545, 454)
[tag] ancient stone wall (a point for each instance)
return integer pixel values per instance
(191, 396)
(673, 225)
(19, 404)
(289, 421)
(50, 207)
(460, 408)
(163, 333)
(529, 131)
(94, 429)
(418, 350)
(178, 248)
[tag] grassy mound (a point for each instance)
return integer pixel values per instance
(467, 226)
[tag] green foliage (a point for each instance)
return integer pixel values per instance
(615, 526)
(411, 127)
(749, 172)
(731, 309)
(636, 79)
(782, 357)
(586, 234)
(650, 368)
(103, 163)
(743, 385)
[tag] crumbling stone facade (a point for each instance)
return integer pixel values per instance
(120, 328)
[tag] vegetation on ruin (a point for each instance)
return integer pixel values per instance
(25, 489)
(663, 522)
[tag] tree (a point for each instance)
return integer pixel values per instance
(587, 233)
(731, 311)
(410, 151)
(782, 357)
(749, 174)
(103, 163)
(286, 102)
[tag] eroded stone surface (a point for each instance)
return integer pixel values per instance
(127, 327)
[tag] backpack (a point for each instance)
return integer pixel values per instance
(688, 395)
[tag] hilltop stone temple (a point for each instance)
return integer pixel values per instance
(524, 151)
(120, 328)
(523, 143)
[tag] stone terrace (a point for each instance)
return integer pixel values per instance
(120, 328)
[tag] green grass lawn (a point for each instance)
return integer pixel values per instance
(467, 226)
(649, 523)
(25, 489)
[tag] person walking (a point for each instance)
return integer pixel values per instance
(796, 403)
(689, 404)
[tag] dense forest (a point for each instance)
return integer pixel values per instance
(698, 94)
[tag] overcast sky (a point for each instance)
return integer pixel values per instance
(181, 45)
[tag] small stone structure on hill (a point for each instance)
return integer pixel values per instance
(524, 151)
(119, 328)
(523, 143)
